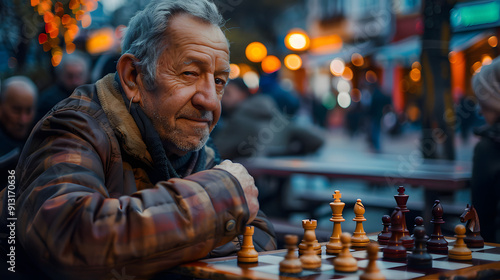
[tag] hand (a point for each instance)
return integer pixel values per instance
(247, 184)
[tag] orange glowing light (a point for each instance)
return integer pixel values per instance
(413, 113)
(347, 74)
(86, 20)
(34, 3)
(70, 47)
(476, 67)
(74, 4)
(100, 41)
(493, 41)
(357, 59)
(256, 52)
(415, 74)
(235, 71)
(48, 17)
(326, 44)
(271, 64)
(65, 20)
(293, 62)
(416, 64)
(297, 40)
(244, 68)
(486, 60)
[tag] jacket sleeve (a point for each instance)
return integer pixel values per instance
(71, 226)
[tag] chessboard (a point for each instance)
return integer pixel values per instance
(267, 266)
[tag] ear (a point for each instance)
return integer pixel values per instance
(129, 77)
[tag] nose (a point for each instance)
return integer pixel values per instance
(26, 118)
(206, 97)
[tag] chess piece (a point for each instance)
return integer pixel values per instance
(460, 251)
(247, 254)
(345, 262)
(419, 222)
(334, 246)
(385, 235)
(436, 243)
(359, 238)
(401, 200)
(395, 249)
(372, 272)
(291, 264)
(309, 259)
(309, 229)
(473, 237)
(420, 259)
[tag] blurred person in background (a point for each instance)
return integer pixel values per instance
(375, 113)
(485, 182)
(18, 99)
(18, 96)
(72, 72)
(253, 125)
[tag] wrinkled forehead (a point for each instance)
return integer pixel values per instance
(184, 29)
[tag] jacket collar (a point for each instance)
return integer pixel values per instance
(122, 122)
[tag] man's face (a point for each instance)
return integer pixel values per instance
(190, 79)
(73, 76)
(17, 110)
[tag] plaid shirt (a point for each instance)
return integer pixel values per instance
(87, 209)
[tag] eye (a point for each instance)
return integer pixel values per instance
(220, 81)
(189, 73)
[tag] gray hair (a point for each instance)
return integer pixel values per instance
(23, 80)
(146, 36)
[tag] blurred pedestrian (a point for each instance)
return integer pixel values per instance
(73, 72)
(253, 125)
(485, 183)
(18, 96)
(287, 102)
(376, 111)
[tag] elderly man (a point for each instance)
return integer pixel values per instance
(120, 176)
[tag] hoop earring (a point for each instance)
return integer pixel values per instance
(130, 104)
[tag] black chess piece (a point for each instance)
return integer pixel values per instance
(385, 235)
(401, 200)
(436, 243)
(419, 222)
(420, 259)
(395, 249)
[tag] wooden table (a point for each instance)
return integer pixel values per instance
(268, 267)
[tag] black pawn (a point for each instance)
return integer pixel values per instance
(420, 259)
(437, 244)
(419, 222)
(395, 249)
(385, 235)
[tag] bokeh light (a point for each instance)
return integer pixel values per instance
(343, 86)
(344, 99)
(235, 71)
(297, 40)
(293, 62)
(256, 52)
(476, 67)
(357, 60)
(337, 66)
(493, 41)
(251, 79)
(271, 64)
(486, 60)
(348, 74)
(355, 95)
(415, 74)
(416, 64)
(371, 77)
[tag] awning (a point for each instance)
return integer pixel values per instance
(406, 51)
(345, 54)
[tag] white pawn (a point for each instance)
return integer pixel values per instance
(372, 272)
(460, 250)
(345, 262)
